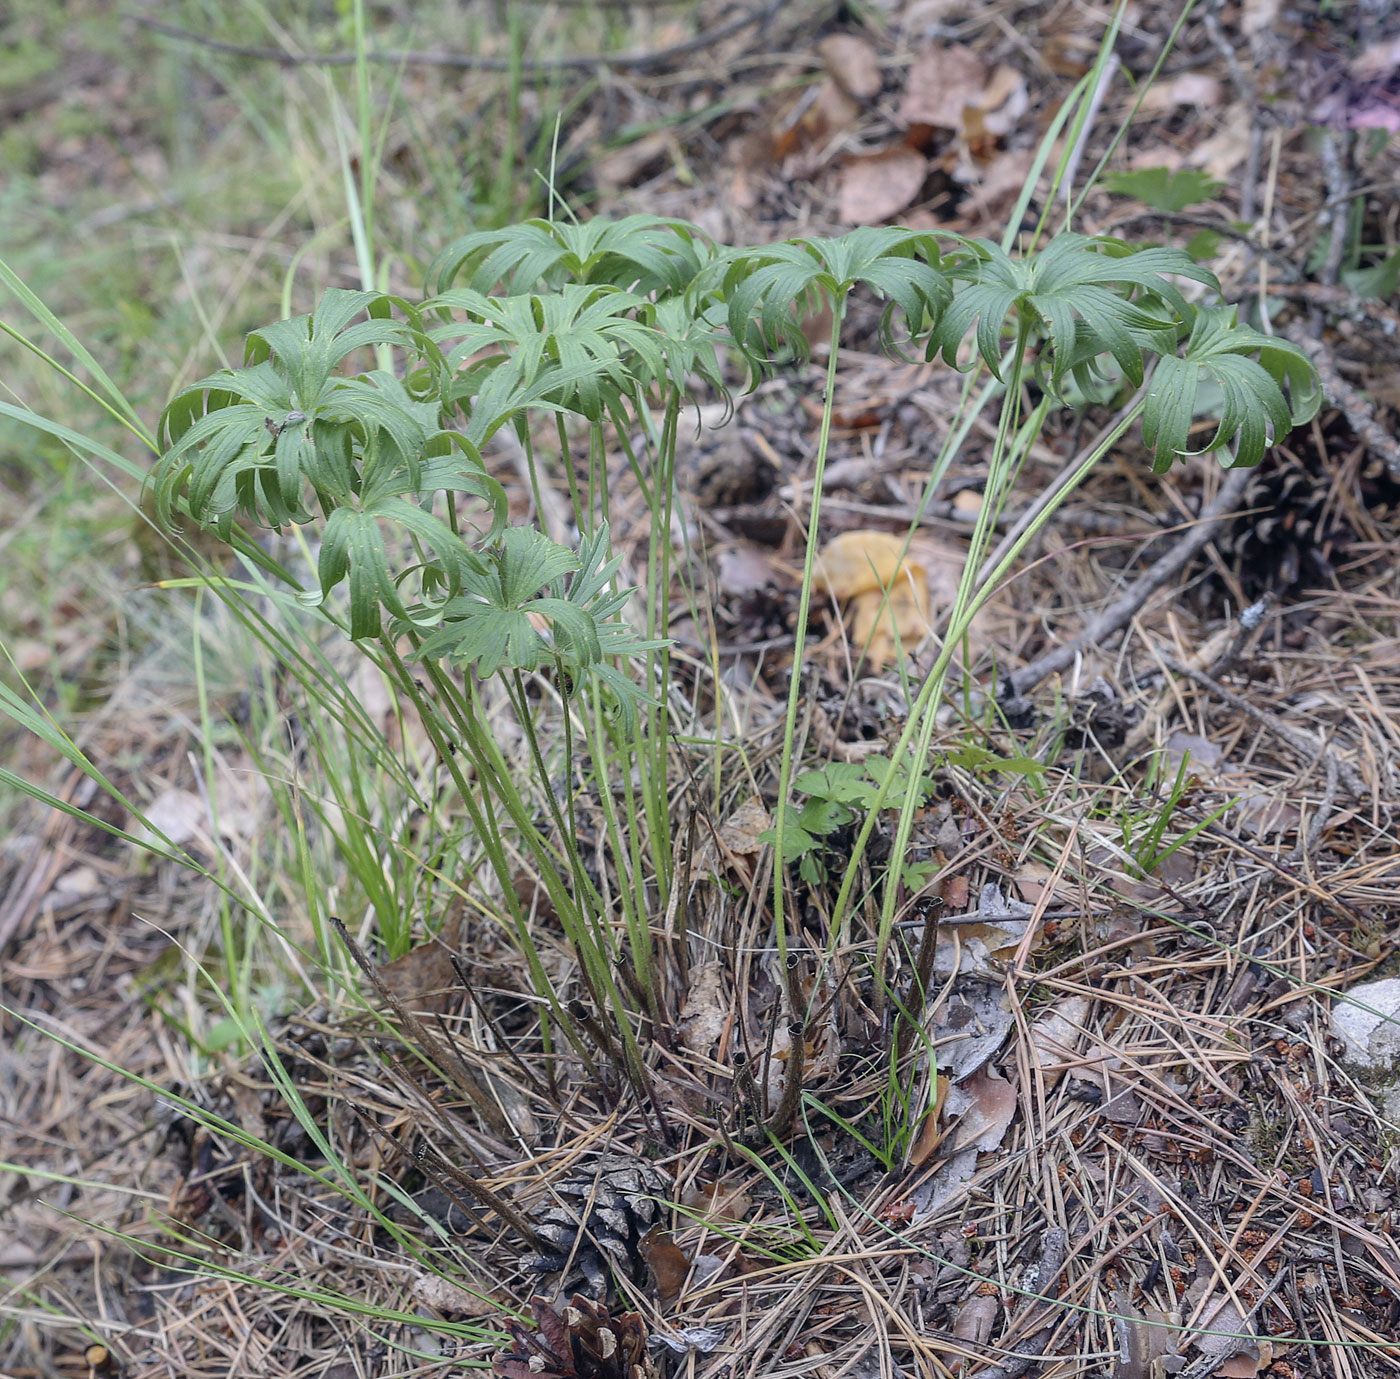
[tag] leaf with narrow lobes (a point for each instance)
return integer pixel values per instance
(877, 188)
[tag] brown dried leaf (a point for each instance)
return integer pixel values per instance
(969, 1026)
(879, 187)
(1056, 1033)
(1221, 1315)
(1140, 1345)
(625, 166)
(987, 1103)
(808, 127)
(442, 1295)
(739, 832)
(1264, 813)
(931, 1133)
(424, 979)
(668, 1263)
(943, 81)
(706, 1011)
(993, 186)
(739, 570)
(852, 63)
(974, 1323)
(1199, 89)
(718, 1201)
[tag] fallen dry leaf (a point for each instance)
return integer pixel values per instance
(943, 81)
(668, 1263)
(1141, 1345)
(740, 570)
(879, 187)
(442, 1295)
(799, 143)
(986, 1103)
(1218, 1316)
(931, 1132)
(1263, 813)
(717, 1200)
(969, 1025)
(1190, 88)
(424, 979)
(1055, 1035)
(974, 1323)
(950, 87)
(993, 186)
(739, 832)
(626, 165)
(706, 1011)
(852, 64)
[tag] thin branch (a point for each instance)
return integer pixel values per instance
(1122, 610)
(1302, 742)
(1359, 413)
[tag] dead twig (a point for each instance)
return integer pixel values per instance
(1358, 411)
(1122, 610)
(1296, 738)
(1040, 1311)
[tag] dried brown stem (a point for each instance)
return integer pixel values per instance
(1360, 415)
(462, 1077)
(1121, 611)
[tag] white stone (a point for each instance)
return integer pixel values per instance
(1366, 1017)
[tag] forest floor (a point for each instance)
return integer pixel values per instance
(1149, 1145)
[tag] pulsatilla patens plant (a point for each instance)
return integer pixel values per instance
(602, 331)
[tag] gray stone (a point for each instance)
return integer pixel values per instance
(1366, 1018)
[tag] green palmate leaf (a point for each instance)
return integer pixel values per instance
(690, 343)
(534, 603)
(287, 434)
(845, 781)
(353, 544)
(1085, 296)
(640, 253)
(586, 345)
(1263, 399)
(766, 292)
(1164, 189)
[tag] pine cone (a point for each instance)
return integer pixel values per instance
(599, 1218)
(585, 1341)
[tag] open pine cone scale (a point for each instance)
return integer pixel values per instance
(584, 1341)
